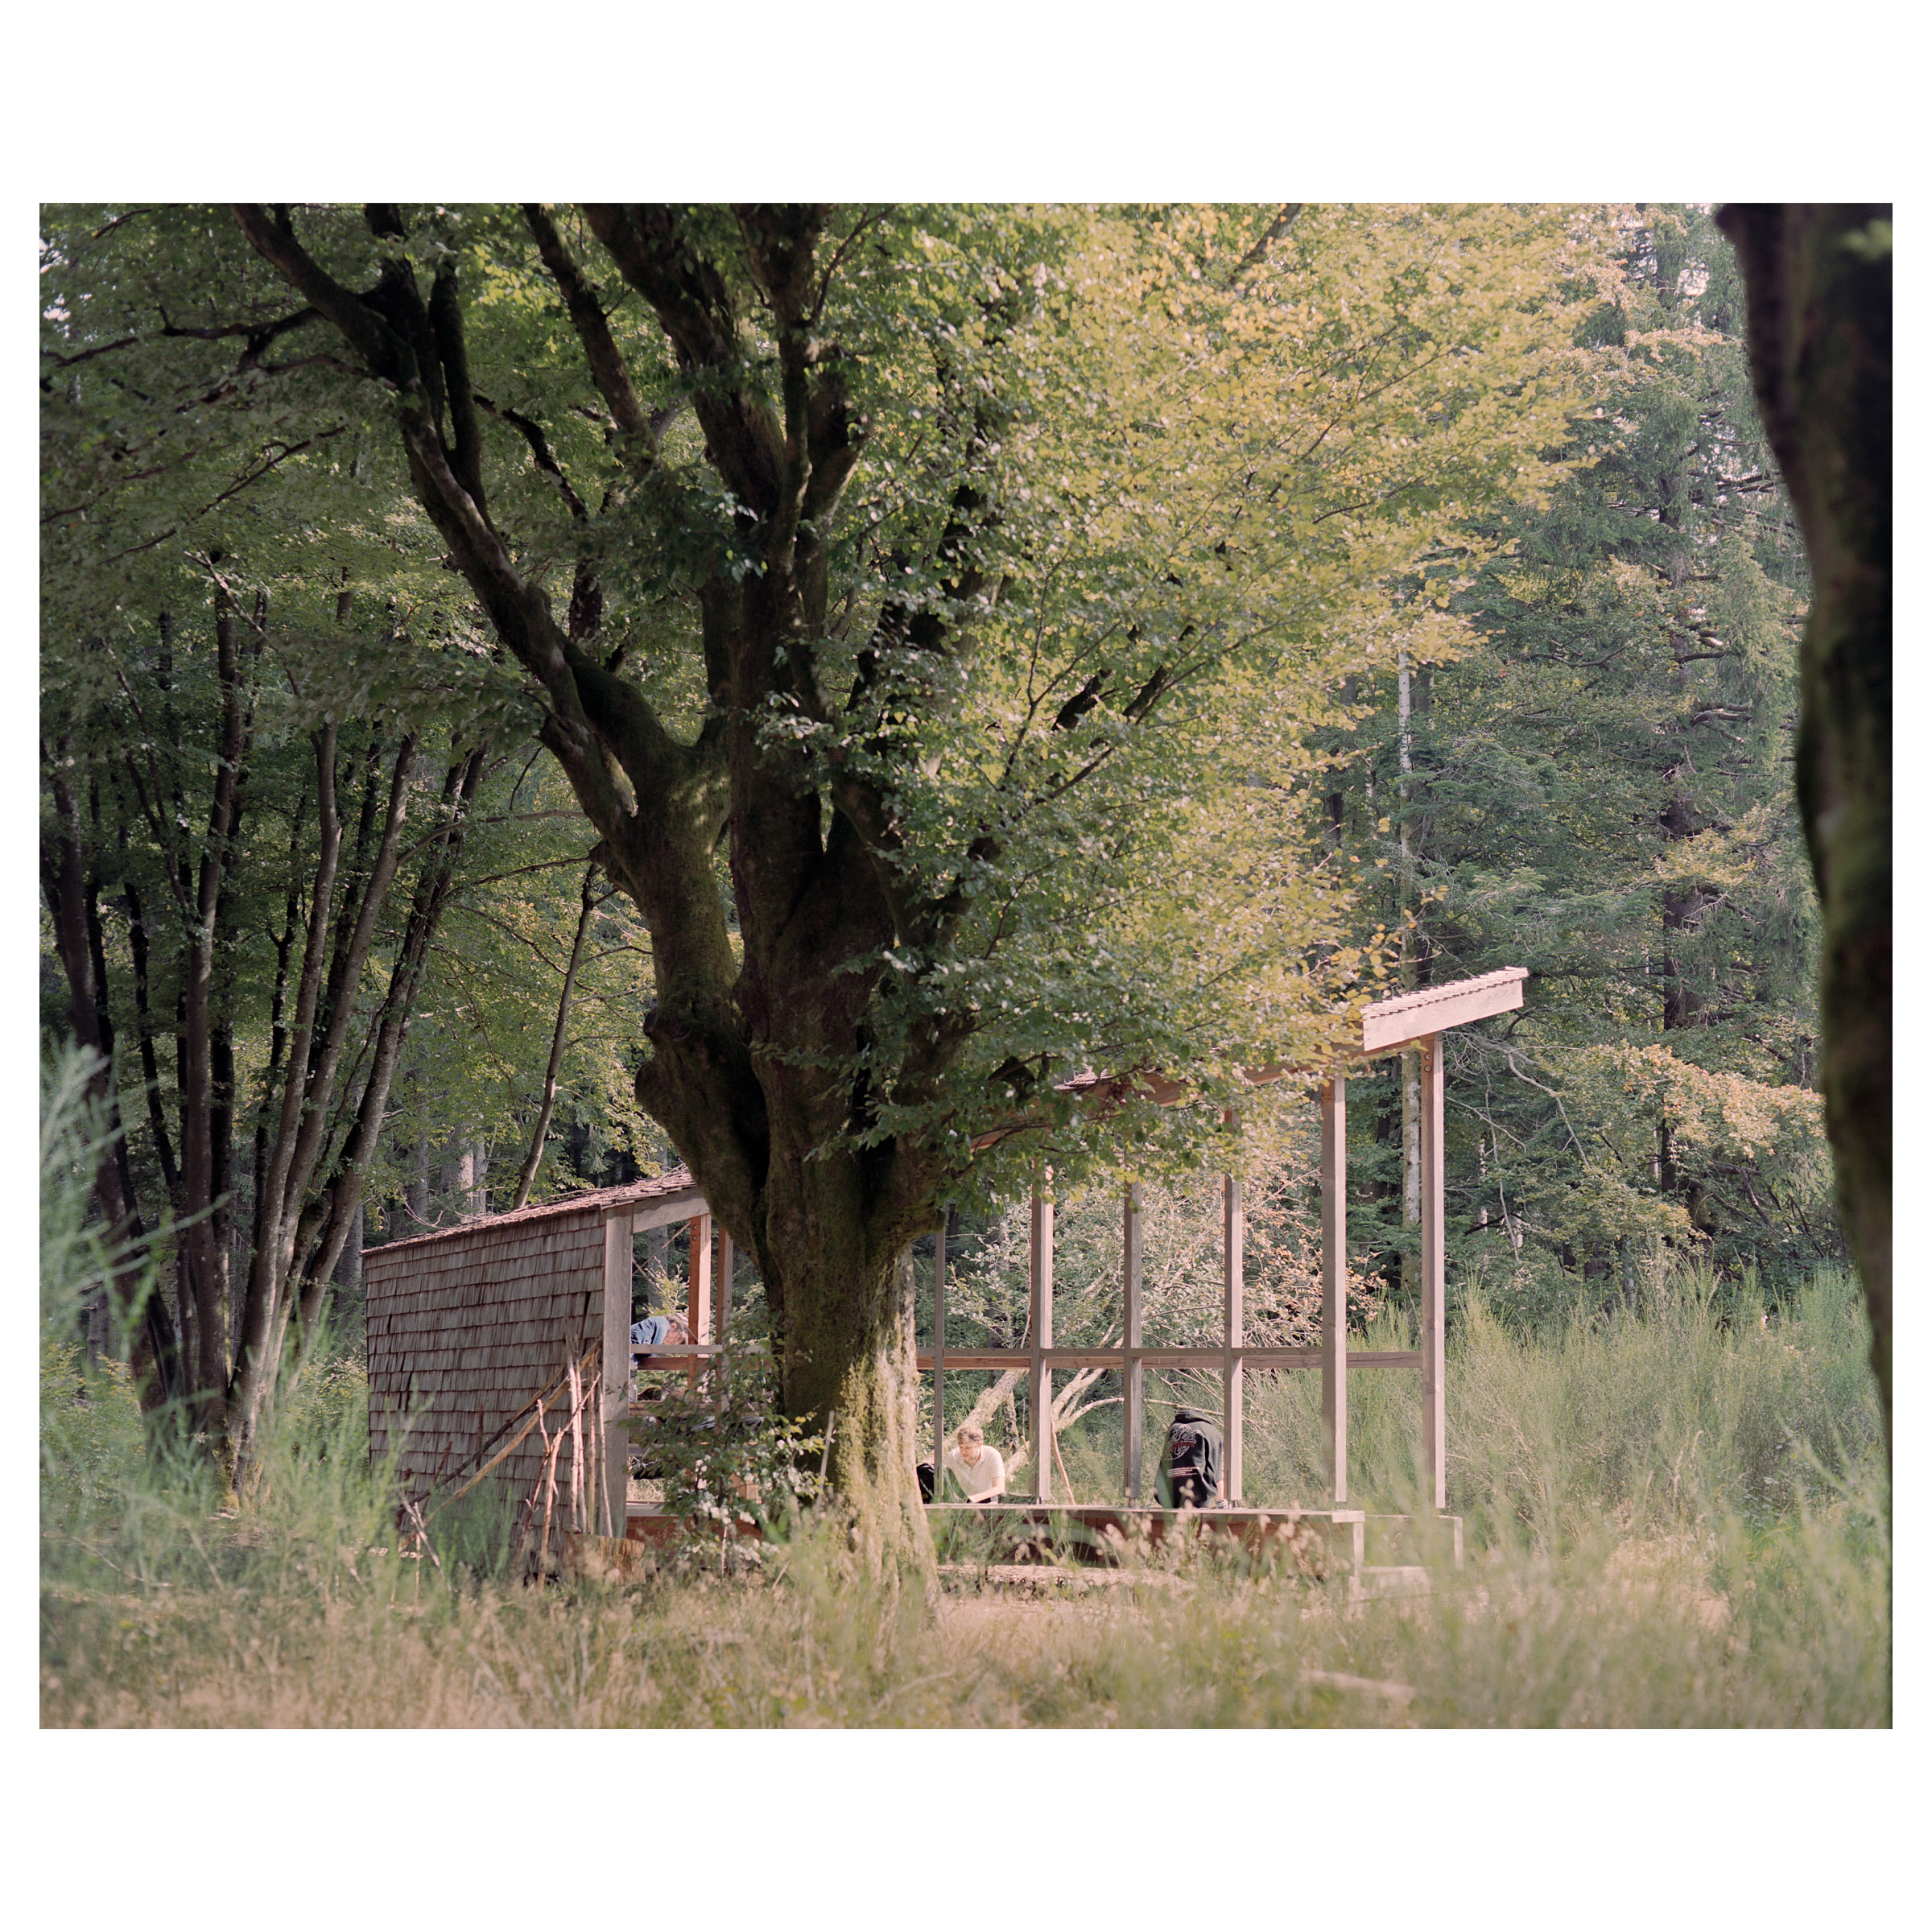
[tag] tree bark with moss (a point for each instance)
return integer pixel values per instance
(750, 1070)
(1819, 282)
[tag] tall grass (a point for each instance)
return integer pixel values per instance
(1790, 1630)
(1675, 1517)
(1663, 1415)
(1755, 1593)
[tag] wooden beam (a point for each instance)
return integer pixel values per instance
(728, 1261)
(1002, 1359)
(698, 1286)
(939, 1359)
(614, 1398)
(1132, 1376)
(661, 1214)
(1335, 1284)
(1434, 1433)
(1039, 1325)
(1390, 1024)
(1233, 1233)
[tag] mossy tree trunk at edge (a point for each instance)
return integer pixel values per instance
(1818, 279)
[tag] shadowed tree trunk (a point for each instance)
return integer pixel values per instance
(140, 1313)
(533, 1159)
(755, 1068)
(1818, 280)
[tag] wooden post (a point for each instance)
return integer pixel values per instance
(1039, 1249)
(615, 1398)
(939, 1358)
(1233, 1231)
(1334, 1285)
(697, 1316)
(727, 1262)
(1434, 1283)
(1131, 1373)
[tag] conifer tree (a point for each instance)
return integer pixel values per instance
(1595, 783)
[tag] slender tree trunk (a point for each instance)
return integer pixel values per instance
(1818, 286)
(540, 1134)
(324, 1226)
(203, 1169)
(349, 1265)
(300, 1224)
(140, 1313)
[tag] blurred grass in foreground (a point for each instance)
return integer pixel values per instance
(1712, 1601)
(1677, 1513)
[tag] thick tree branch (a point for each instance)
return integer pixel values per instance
(693, 305)
(608, 369)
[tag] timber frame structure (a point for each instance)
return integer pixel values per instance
(478, 1331)
(1414, 1019)
(473, 1328)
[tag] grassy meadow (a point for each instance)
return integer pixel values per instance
(1676, 1515)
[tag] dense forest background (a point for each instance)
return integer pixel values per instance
(1575, 756)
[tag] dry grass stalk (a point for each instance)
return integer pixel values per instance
(576, 1447)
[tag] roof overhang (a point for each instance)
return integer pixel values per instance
(1389, 1025)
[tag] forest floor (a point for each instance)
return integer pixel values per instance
(1670, 1520)
(1789, 1628)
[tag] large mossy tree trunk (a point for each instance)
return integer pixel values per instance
(1818, 283)
(757, 1070)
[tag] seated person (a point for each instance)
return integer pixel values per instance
(1190, 1476)
(976, 1465)
(658, 1330)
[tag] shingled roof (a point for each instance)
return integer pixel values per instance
(631, 1194)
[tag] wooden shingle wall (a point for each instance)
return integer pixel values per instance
(466, 1330)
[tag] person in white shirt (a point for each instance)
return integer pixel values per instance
(976, 1465)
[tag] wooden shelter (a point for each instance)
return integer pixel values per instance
(473, 1329)
(1415, 1019)
(469, 1327)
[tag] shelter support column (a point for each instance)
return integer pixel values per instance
(1335, 1285)
(1435, 1281)
(728, 1261)
(1132, 1386)
(1039, 1399)
(615, 1400)
(698, 1300)
(1233, 1232)
(938, 1358)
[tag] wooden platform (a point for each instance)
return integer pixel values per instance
(1369, 1552)
(1331, 1541)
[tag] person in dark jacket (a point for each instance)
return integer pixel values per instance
(1190, 1475)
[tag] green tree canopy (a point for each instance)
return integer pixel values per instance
(929, 609)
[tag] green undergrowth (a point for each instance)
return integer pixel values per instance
(1755, 1591)
(1778, 1627)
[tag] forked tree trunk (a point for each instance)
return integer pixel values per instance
(1819, 285)
(756, 1071)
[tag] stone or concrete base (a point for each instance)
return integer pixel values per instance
(1374, 1555)
(1319, 1542)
